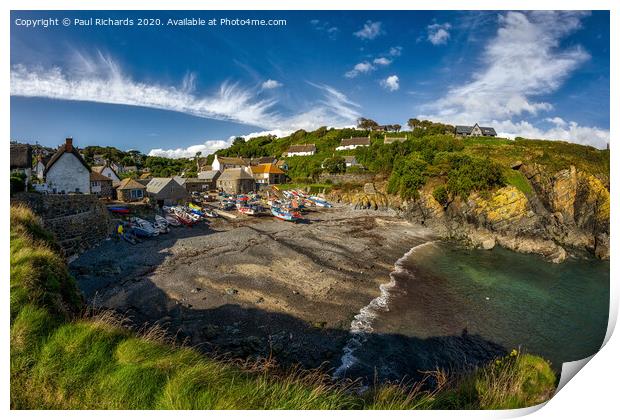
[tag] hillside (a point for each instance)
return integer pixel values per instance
(63, 357)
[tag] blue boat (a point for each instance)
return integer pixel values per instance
(289, 216)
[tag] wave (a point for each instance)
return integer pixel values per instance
(361, 325)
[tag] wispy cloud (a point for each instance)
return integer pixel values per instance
(271, 84)
(438, 33)
(359, 68)
(522, 62)
(382, 61)
(370, 30)
(326, 27)
(106, 83)
(391, 83)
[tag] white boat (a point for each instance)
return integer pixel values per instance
(171, 219)
(145, 225)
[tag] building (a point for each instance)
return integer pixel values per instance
(210, 176)
(39, 167)
(268, 174)
(236, 181)
(101, 185)
(221, 163)
(261, 161)
(107, 171)
(390, 140)
(165, 191)
(282, 165)
(474, 131)
(21, 160)
(194, 184)
(130, 190)
(301, 150)
(353, 143)
(128, 169)
(67, 172)
(351, 161)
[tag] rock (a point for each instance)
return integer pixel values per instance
(488, 244)
(231, 291)
(516, 165)
(369, 188)
(601, 247)
(260, 300)
(196, 290)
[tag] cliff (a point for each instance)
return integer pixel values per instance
(565, 210)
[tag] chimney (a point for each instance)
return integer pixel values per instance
(69, 144)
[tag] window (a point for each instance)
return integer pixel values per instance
(136, 194)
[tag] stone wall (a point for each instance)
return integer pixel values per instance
(347, 178)
(78, 222)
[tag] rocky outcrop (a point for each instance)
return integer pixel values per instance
(568, 209)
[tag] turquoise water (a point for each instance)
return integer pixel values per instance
(558, 311)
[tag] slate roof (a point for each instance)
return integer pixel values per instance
(355, 141)
(467, 129)
(130, 184)
(208, 175)
(158, 184)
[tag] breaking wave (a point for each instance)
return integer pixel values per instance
(361, 325)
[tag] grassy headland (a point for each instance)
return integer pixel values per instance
(64, 358)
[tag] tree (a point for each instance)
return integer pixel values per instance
(238, 141)
(397, 127)
(413, 123)
(366, 124)
(408, 176)
(334, 165)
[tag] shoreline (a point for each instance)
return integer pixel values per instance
(254, 287)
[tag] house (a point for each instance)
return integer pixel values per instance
(128, 169)
(301, 150)
(236, 181)
(194, 184)
(210, 176)
(130, 190)
(351, 161)
(99, 160)
(107, 171)
(221, 163)
(261, 161)
(21, 160)
(268, 174)
(390, 140)
(354, 143)
(475, 130)
(67, 172)
(165, 191)
(117, 168)
(101, 185)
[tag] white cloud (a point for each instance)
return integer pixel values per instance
(101, 80)
(325, 26)
(561, 130)
(391, 83)
(522, 62)
(395, 51)
(206, 148)
(438, 33)
(370, 30)
(382, 61)
(106, 83)
(271, 84)
(359, 68)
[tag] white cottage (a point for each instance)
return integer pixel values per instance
(66, 172)
(107, 171)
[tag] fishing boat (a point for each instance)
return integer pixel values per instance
(319, 202)
(210, 213)
(171, 219)
(118, 209)
(144, 225)
(161, 224)
(247, 210)
(289, 216)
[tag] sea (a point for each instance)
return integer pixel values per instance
(452, 308)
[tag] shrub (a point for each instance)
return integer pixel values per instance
(334, 165)
(407, 177)
(468, 174)
(440, 194)
(18, 183)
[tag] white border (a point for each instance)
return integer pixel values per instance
(591, 394)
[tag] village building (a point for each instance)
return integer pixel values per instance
(236, 181)
(194, 184)
(39, 167)
(221, 163)
(211, 177)
(101, 185)
(350, 161)
(67, 172)
(474, 131)
(106, 171)
(261, 160)
(268, 174)
(99, 160)
(390, 140)
(301, 150)
(21, 160)
(165, 191)
(353, 143)
(128, 169)
(116, 167)
(130, 190)
(282, 164)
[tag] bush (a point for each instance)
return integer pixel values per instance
(440, 194)
(407, 177)
(334, 165)
(18, 183)
(468, 174)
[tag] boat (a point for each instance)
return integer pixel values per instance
(250, 211)
(171, 219)
(144, 225)
(289, 216)
(118, 209)
(319, 202)
(210, 213)
(161, 224)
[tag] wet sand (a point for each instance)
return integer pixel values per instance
(254, 286)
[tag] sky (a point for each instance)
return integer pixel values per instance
(173, 90)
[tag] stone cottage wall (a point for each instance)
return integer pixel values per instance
(78, 222)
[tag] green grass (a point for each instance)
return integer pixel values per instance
(64, 358)
(518, 180)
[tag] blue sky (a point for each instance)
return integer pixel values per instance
(173, 91)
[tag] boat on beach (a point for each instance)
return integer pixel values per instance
(288, 215)
(118, 209)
